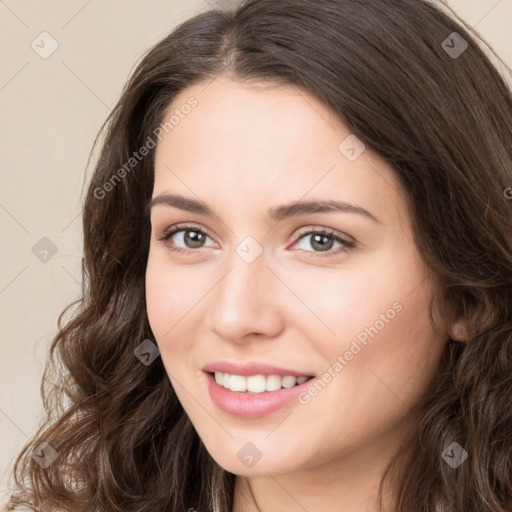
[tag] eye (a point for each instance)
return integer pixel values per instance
(191, 236)
(323, 240)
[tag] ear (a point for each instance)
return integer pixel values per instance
(458, 332)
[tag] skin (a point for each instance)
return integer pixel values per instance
(244, 149)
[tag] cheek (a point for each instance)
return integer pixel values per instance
(166, 296)
(387, 358)
(379, 320)
(337, 305)
(175, 302)
(167, 305)
(157, 300)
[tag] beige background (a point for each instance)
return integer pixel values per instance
(51, 110)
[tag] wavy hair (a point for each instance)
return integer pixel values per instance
(443, 121)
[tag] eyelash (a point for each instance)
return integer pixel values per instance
(348, 245)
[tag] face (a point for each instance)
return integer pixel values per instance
(339, 295)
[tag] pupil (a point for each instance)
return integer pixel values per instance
(323, 238)
(194, 237)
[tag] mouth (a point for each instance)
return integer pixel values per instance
(261, 402)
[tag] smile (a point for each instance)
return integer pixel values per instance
(254, 404)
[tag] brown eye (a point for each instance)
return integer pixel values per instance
(193, 239)
(184, 238)
(323, 242)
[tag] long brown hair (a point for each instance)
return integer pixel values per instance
(428, 102)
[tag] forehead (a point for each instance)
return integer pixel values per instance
(250, 144)
(252, 113)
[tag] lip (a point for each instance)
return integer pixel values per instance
(252, 368)
(246, 405)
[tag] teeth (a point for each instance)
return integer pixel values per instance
(257, 383)
(237, 383)
(273, 383)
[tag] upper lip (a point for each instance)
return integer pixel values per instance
(251, 368)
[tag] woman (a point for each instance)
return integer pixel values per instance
(297, 274)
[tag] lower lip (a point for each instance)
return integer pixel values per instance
(248, 405)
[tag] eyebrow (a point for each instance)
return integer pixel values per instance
(274, 214)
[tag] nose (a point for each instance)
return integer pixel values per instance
(246, 302)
